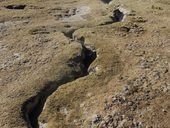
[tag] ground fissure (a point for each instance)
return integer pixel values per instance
(33, 107)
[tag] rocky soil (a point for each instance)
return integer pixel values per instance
(84, 64)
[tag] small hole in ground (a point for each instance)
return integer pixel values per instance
(106, 1)
(17, 7)
(117, 15)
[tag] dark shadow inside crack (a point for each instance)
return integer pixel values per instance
(90, 56)
(33, 107)
(15, 7)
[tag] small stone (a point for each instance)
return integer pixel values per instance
(118, 99)
(140, 53)
(25, 61)
(130, 103)
(107, 106)
(102, 124)
(156, 75)
(163, 110)
(145, 64)
(108, 119)
(96, 119)
(165, 87)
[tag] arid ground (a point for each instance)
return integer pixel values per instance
(84, 63)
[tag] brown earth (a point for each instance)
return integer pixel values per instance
(84, 64)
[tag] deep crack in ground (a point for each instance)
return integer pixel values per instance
(33, 107)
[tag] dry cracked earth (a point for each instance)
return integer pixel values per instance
(84, 64)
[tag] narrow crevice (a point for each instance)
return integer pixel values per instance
(33, 107)
(90, 56)
(15, 7)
